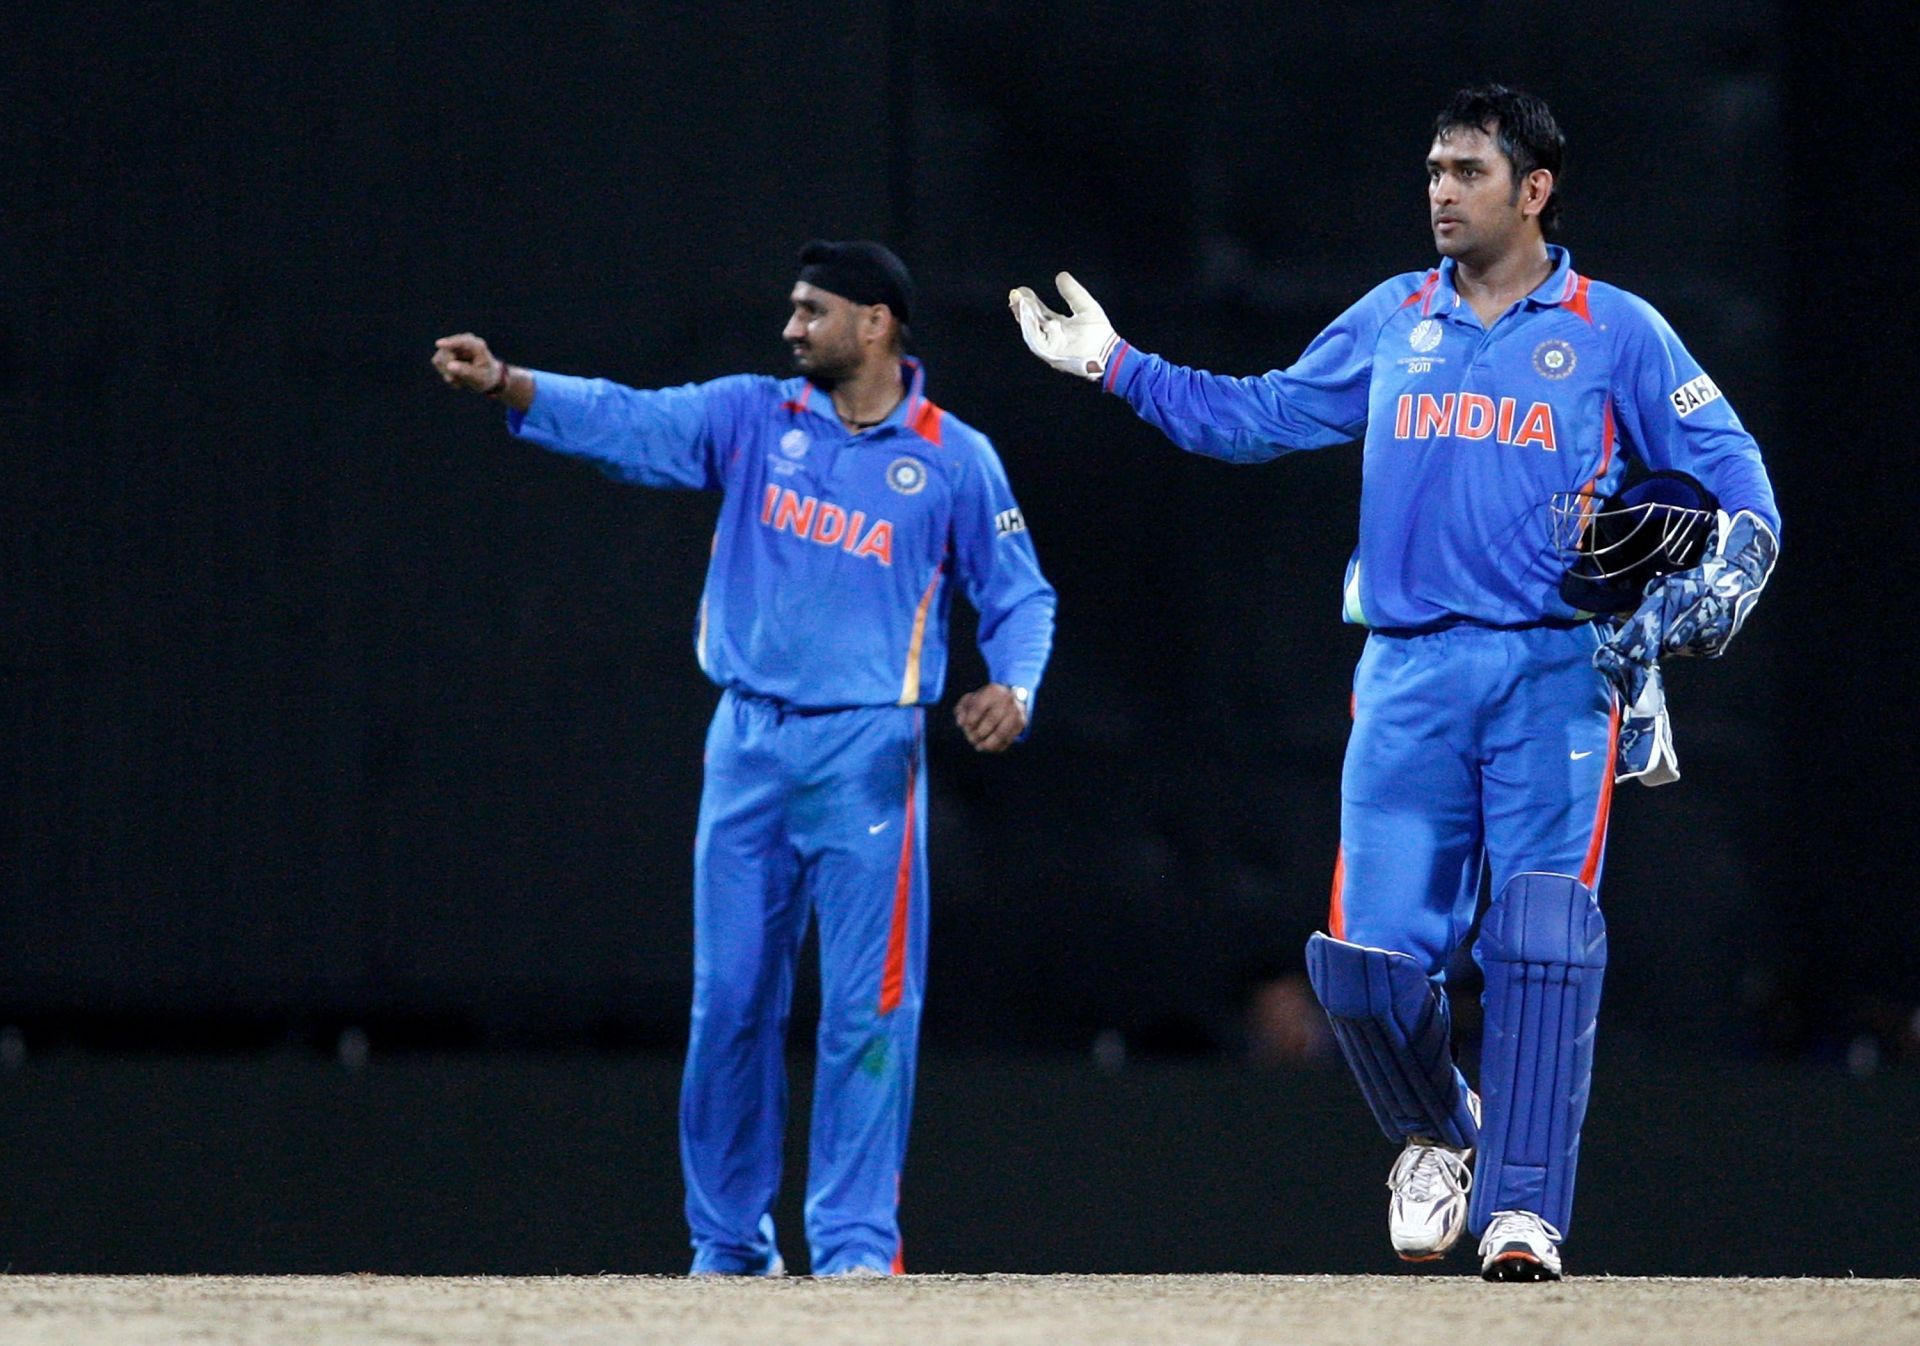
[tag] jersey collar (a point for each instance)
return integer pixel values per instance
(811, 397)
(1558, 288)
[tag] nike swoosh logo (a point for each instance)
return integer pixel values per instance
(877, 828)
(1576, 756)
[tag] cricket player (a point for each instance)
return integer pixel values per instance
(1487, 706)
(851, 509)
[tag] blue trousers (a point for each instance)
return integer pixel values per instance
(805, 816)
(1472, 749)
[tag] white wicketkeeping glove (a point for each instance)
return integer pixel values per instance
(1081, 342)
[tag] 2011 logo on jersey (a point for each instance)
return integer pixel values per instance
(908, 476)
(1554, 359)
(794, 443)
(1425, 335)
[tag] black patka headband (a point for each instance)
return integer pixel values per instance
(863, 272)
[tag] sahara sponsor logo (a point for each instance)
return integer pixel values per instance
(1690, 396)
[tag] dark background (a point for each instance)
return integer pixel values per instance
(349, 743)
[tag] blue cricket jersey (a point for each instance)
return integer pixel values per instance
(1469, 433)
(835, 555)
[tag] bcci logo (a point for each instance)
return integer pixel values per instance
(1553, 359)
(794, 443)
(1425, 335)
(907, 475)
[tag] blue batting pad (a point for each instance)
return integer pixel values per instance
(1543, 946)
(1392, 1026)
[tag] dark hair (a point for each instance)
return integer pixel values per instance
(1524, 128)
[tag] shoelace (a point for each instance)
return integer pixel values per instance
(1431, 1167)
(1516, 1224)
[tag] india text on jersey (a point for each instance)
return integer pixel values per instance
(827, 525)
(1472, 416)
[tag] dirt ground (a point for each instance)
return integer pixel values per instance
(937, 1310)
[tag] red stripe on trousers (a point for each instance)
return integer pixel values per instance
(893, 978)
(1598, 845)
(1336, 909)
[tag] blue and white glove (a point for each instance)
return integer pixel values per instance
(1693, 613)
(1697, 612)
(1646, 751)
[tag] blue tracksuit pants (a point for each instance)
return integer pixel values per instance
(1472, 748)
(805, 815)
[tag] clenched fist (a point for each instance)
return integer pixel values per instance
(992, 717)
(465, 362)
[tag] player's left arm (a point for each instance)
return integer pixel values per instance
(996, 562)
(1675, 417)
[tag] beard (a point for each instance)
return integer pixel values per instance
(825, 368)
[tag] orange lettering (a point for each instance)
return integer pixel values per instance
(1476, 416)
(853, 529)
(1537, 428)
(831, 526)
(1402, 418)
(795, 514)
(879, 543)
(1433, 418)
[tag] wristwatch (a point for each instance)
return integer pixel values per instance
(1021, 696)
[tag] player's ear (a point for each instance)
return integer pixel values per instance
(878, 323)
(1536, 191)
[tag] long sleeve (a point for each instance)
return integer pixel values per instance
(660, 437)
(1000, 572)
(1676, 418)
(1320, 401)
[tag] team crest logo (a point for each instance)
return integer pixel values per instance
(907, 475)
(794, 443)
(1425, 335)
(1553, 359)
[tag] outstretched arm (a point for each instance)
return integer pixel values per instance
(1320, 401)
(652, 437)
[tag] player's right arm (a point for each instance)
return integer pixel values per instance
(1320, 401)
(653, 437)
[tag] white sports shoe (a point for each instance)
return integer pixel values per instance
(1519, 1246)
(1430, 1182)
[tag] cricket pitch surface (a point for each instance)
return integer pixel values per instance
(938, 1310)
